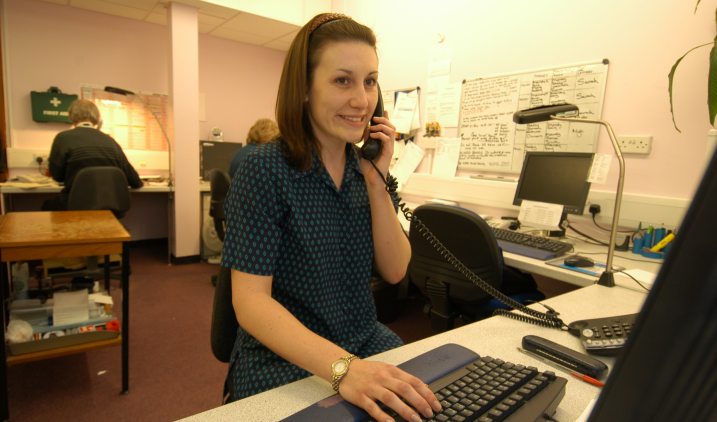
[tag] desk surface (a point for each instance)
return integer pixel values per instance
(497, 337)
(57, 188)
(20, 229)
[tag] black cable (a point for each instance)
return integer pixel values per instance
(549, 418)
(609, 230)
(636, 281)
(531, 316)
(584, 235)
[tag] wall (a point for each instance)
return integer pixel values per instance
(54, 45)
(641, 38)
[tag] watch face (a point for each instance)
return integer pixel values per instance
(340, 367)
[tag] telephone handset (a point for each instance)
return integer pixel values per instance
(371, 147)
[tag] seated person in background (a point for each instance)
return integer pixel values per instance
(84, 146)
(306, 222)
(264, 130)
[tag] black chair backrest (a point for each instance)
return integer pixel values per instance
(469, 238)
(224, 320)
(219, 182)
(100, 188)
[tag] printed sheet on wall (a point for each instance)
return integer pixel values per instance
(491, 142)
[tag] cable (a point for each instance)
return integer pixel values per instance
(636, 281)
(584, 235)
(549, 418)
(608, 230)
(532, 316)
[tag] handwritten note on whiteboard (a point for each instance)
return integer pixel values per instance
(490, 141)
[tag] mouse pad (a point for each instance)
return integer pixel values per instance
(595, 270)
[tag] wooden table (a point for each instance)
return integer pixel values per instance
(28, 236)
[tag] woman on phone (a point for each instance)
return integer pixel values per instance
(307, 221)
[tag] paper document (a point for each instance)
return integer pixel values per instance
(388, 102)
(449, 101)
(540, 215)
(445, 161)
(432, 107)
(434, 83)
(410, 157)
(70, 307)
(600, 168)
(439, 68)
(403, 112)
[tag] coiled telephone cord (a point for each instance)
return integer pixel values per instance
(531, 316)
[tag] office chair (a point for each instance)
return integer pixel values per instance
(219, 182)
(469, 238)
(98, 188)
(224, 321)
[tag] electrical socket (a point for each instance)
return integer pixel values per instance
(635, 144)
(44, 158)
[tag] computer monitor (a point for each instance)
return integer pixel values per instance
(555, 178)
(215, 155)
(667, 370)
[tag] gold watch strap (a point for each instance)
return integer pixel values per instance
(335, 378)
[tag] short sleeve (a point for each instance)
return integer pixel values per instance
(252, 236)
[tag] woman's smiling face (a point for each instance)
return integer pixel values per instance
(343, 92)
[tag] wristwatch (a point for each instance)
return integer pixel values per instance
(339, 369)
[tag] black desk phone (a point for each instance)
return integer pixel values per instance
(603, 336)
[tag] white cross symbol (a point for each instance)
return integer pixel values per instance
(55, 101)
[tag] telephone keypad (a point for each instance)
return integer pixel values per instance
(604, 336)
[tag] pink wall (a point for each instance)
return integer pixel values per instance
(641, 38)
(55, 45)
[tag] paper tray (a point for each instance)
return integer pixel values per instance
(57, 342)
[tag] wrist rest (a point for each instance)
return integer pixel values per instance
(427, 367)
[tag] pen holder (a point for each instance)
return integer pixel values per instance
(647, 241)
(637, 245)
(658, 236)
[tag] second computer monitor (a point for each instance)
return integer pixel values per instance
(555, 178)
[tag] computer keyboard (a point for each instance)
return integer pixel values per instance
(532, 246)
(492, 390)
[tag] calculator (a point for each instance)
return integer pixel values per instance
(604, 336)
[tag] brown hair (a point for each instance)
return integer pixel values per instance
(264, 130)
(292, 111)
(83, 110)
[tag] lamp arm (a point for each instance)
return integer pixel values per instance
(620, 183)
(166, 137)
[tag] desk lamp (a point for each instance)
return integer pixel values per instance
(569, 113)
(169, 145)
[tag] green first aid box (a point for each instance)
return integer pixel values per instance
(51, 106)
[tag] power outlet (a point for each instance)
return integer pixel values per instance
(635, 144)
(42, 157)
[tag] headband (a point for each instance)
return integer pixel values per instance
(327, 17)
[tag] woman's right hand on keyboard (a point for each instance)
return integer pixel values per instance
(368, 382)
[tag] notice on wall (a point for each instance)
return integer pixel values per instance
(491, 141)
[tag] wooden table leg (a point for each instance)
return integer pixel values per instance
(125, 318)
(4, 403)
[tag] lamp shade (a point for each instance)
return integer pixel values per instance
(542, 114)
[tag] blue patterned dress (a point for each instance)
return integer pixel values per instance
(316, 242)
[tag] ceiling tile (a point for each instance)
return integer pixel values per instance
(63, 2)
(110, 8)
(246, 22)
(240, 36)
(157, 18)
(205, 28)
(289, 37)
(209, 19)
(137, 4)
(278, 45)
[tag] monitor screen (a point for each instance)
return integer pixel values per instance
(666, 371)
(215, 155)
(555, 178)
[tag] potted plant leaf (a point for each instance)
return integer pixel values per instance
(711, 83)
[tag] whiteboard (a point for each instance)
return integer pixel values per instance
(490, 141)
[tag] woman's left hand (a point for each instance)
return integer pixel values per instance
(385, 132)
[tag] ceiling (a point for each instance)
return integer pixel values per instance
(213, 19)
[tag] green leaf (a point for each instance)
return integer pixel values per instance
(712, 85)
(672, 75)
